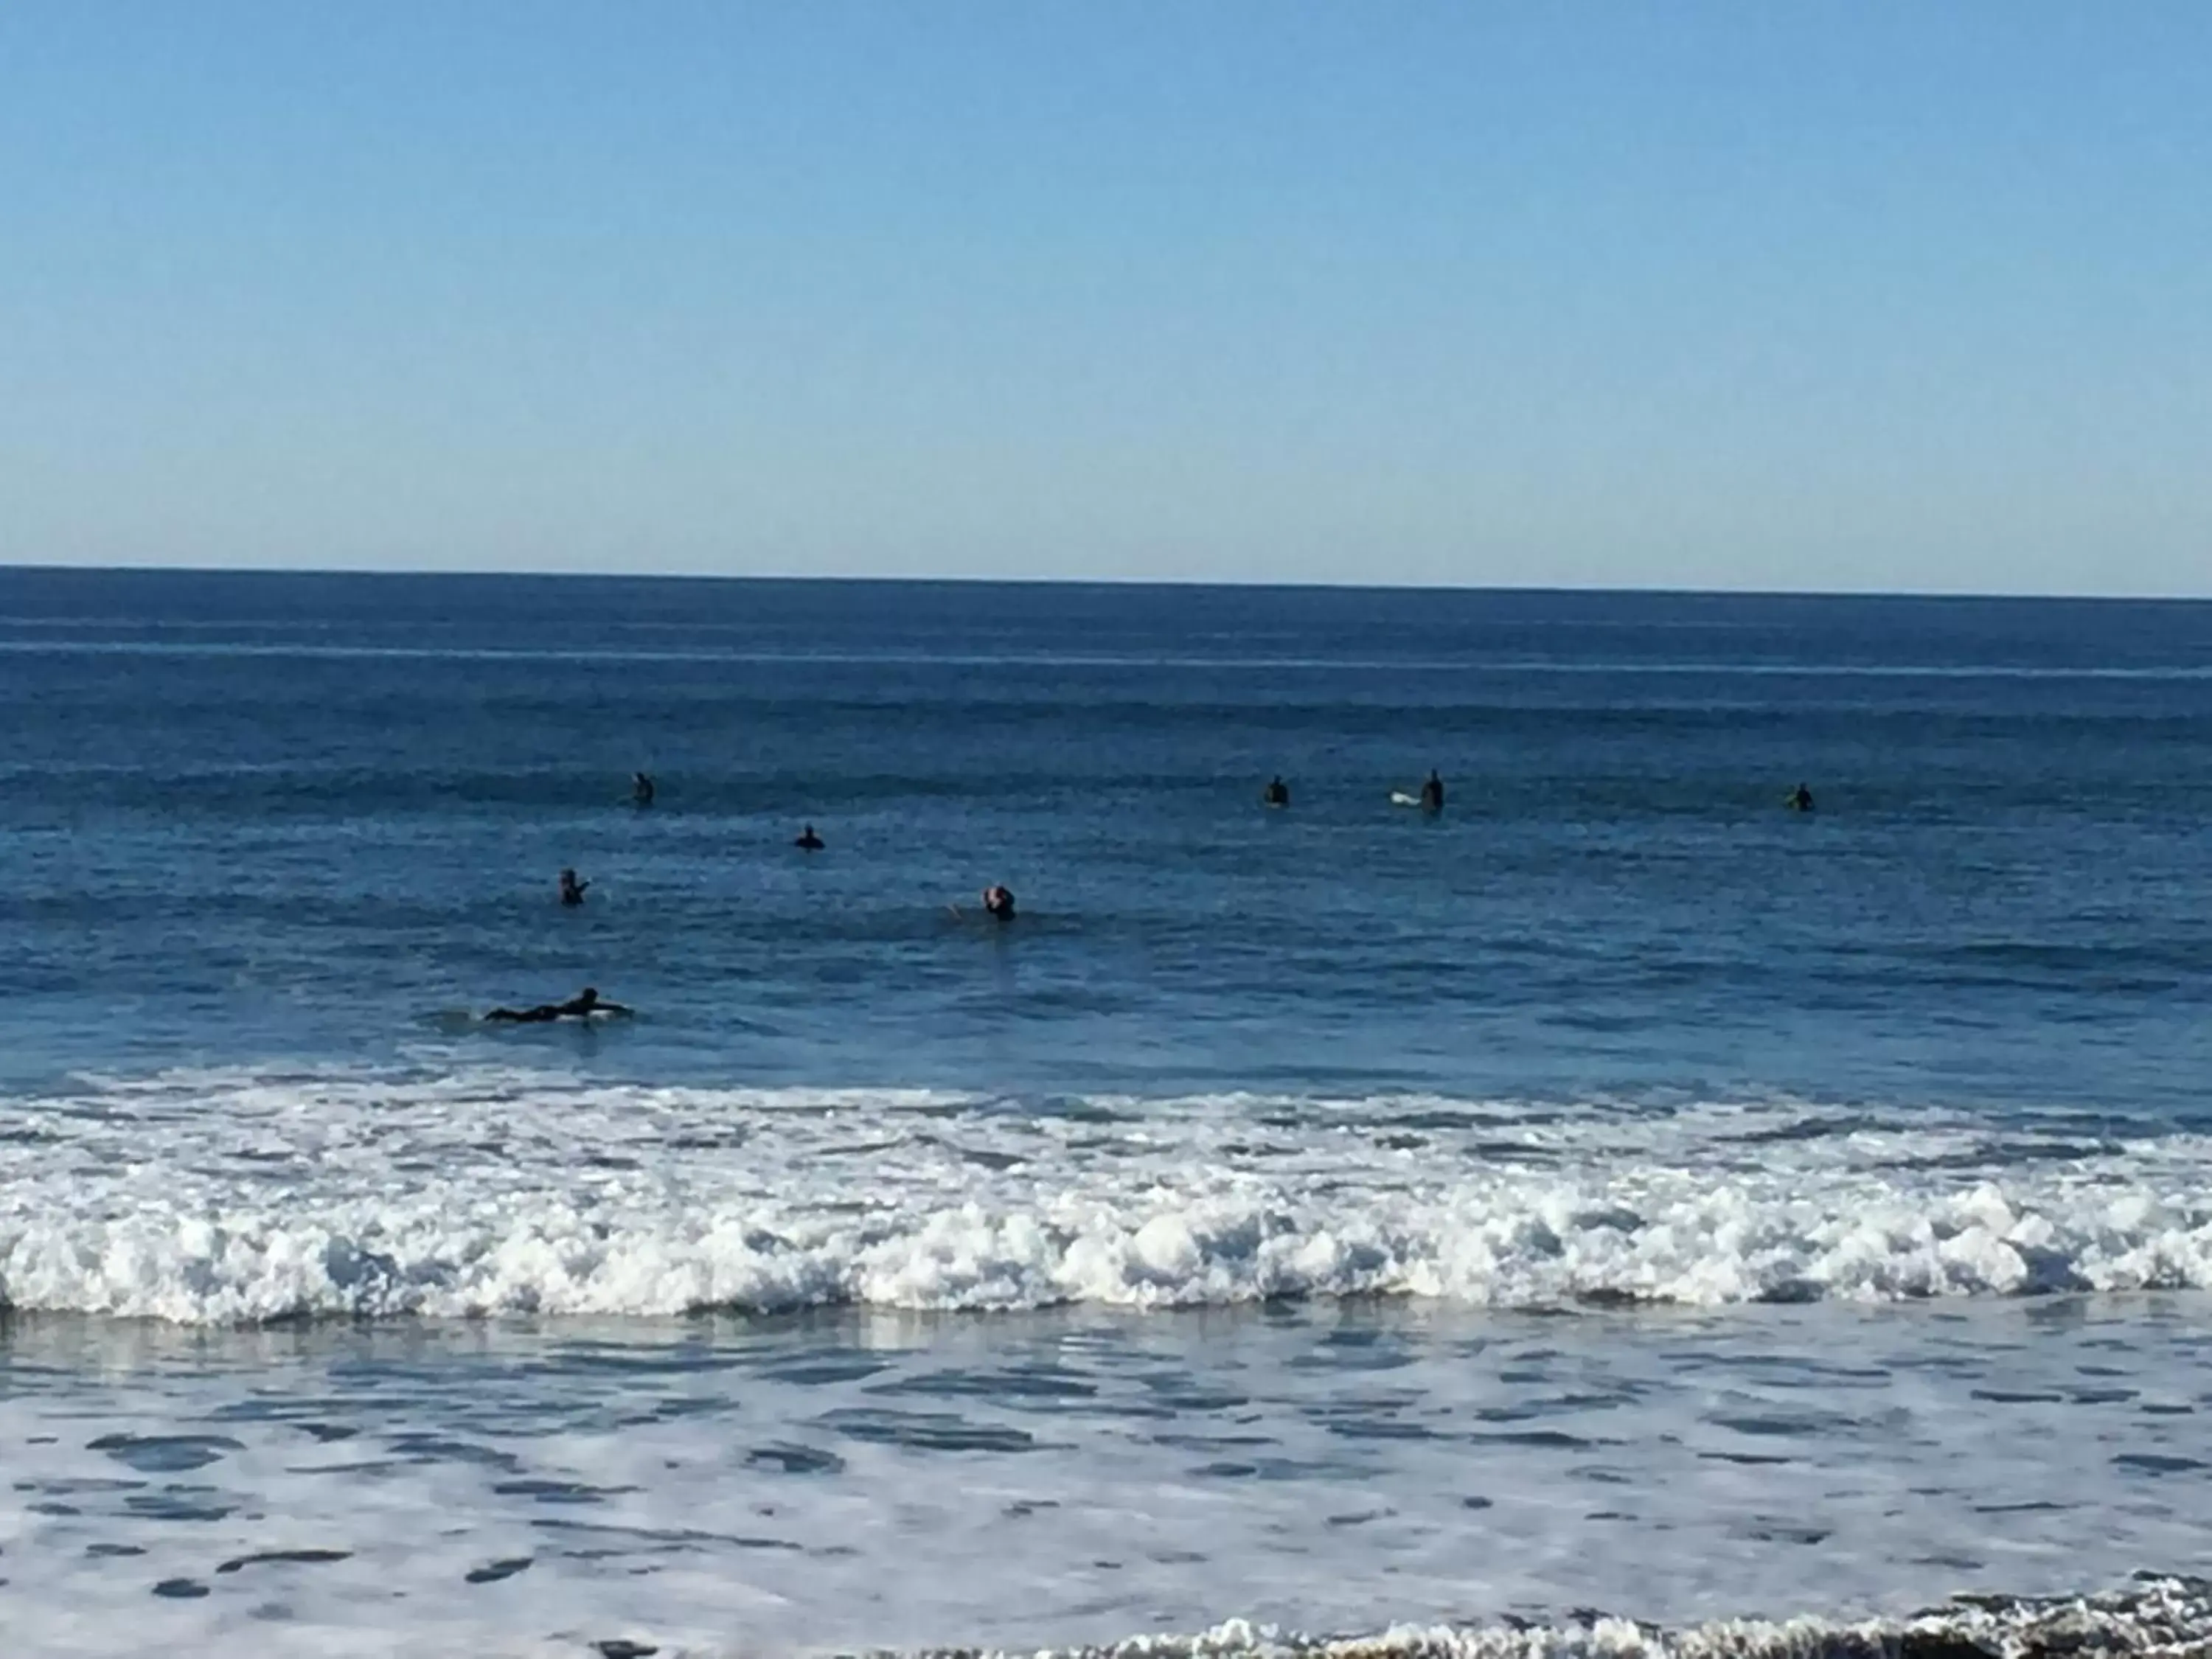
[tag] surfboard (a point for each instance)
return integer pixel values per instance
(1399, 798)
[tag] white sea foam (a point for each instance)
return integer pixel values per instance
(223, 1196)
(2162, 1617)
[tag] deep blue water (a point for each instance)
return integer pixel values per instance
(252, 817)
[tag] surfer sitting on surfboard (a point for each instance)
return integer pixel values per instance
(585, 1004)
(572, 890)
(1801, 799)
(998, 901)
(1277, 794)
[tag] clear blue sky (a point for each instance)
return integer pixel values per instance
(1851, 295)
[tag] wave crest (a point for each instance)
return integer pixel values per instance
(223, 1197)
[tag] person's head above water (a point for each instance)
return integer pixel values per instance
(586, 1003)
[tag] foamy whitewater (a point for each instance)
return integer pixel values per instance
(215, 1197)
(1617, 1216)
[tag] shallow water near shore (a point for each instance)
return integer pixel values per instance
(871, 1480)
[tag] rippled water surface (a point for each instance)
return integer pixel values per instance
(1617, 1192)
(1047, 1478)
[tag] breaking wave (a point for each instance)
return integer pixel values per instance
(227, 1196)
(2156, 1618)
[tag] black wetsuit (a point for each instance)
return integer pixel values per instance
(1277, 793)
(1433, 794)
(546, 1013)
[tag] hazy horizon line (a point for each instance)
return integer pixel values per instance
(1215, 584)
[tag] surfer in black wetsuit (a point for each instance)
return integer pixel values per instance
(808, 841)
(1432, 793)
(641, 788)
(582, 1006)
(1801, 799)
(998, 901)
(1277, 794)
(572, 890)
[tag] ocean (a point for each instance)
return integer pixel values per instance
(1616, 1213)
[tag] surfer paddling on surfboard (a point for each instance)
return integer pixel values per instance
(583, 1006)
